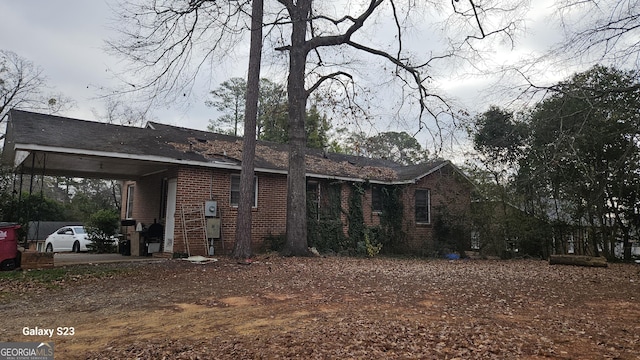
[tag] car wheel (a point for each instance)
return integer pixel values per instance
(76, 247)
(49, 248)
(9, 264)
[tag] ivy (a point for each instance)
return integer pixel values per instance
(355, 215)
(324, 226)
(451, 234)
(369, 246)
(390, 231)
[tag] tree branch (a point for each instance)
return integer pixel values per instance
(321, 41)
(325, 78)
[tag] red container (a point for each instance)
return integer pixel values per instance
(9, 246)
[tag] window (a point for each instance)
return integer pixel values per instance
(376, 198)
(129, 211)
(235, 190)
(422, 206)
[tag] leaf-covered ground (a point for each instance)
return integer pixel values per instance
(331, 308)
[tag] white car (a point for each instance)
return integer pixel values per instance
(68, 238)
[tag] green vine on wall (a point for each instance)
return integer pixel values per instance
(324, 226)
(355, 215)
(390, 232)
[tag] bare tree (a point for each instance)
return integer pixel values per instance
(116, 111)
(24, 86)
(593, 32)
(602, 31)
(311, 33)
(168, 44)
(242, 247)
(320, 42)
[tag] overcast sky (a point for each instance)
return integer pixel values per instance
(66, 39)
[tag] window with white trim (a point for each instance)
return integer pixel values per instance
(129, 210)
(422, 206)
(376, 198)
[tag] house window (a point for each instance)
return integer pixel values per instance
(422, 206)
(129, 211)
(235, 190)
(376, 198)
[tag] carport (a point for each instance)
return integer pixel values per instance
(38, 145)
(147, 160)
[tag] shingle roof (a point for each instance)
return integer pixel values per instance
(178, 143)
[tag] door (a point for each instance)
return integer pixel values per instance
(64, 240)
(170, 222)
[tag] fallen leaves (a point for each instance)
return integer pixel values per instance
(318, 308)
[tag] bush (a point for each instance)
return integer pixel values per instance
(274, 242)
(370, 246)
(101, 228)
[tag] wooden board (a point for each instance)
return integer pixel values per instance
(578, 260)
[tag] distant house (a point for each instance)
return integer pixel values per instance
(188, 182)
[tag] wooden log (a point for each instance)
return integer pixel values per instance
(578, 260)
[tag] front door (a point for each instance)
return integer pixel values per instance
(170, 222)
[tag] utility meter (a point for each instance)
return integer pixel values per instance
(210, 208)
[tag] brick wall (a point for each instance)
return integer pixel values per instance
(147, 197)
(345, 192)
(149, 194)
(196, 185)
(448, 189)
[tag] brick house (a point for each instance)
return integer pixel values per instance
(168, 172)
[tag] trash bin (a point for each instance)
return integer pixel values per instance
(125, 247)
(9, 256)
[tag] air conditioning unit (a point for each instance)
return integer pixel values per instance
(210, 208)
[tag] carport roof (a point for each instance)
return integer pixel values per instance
(60, 146)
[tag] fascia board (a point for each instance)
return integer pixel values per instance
(160, 159)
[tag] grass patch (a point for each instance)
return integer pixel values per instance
(15, 284)
(57, 275)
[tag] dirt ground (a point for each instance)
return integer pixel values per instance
(333, 308)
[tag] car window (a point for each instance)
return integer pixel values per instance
(80, 230)
(62, 231)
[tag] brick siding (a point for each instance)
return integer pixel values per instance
(197, 185)
(447, 189)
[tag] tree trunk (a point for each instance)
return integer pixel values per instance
(296, 244)
(591, 261)
(242, 247)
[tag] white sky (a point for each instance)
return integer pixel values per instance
(66, 39)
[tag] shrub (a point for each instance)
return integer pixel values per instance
(369, 246)
(101, 229)
(274, 242)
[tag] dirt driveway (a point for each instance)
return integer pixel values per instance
(332, 308)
